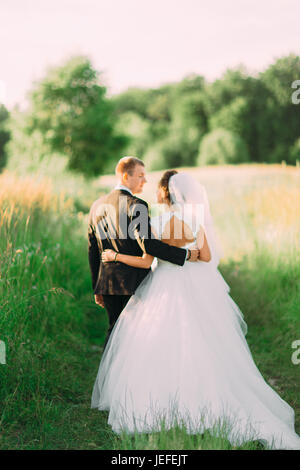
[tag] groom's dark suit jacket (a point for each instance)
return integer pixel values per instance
(120, 221)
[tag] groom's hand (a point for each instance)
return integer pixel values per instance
(194, 255)
(99, 300)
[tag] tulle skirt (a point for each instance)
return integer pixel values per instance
(178, 356)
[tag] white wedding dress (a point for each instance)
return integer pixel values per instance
(178, 354)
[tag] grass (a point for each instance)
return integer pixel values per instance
(53, 331)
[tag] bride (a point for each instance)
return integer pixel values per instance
(177, 354)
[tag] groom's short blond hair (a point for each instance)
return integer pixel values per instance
(127, 165)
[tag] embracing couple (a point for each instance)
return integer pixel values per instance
(175, 352)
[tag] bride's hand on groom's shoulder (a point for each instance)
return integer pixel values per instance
(108, 256)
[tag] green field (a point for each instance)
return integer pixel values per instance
(54, 331)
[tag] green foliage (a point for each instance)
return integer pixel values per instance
(175, 150)
(258, 109)
(154, 159)
(231, 116)
(176, 121)
(159, 107)
(157, 131)
(30, 154)
(4, 134)
(26, 153)
(284, 114)
(279, 77)
(134, 99)
(294, 154)
(180, 147)
(189, 110)
(221, 146)
(74, 117)
(190, 84)
(137, 129)
(238, 102)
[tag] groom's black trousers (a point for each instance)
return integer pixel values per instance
(114, 304)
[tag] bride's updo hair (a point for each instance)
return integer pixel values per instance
(164, 182)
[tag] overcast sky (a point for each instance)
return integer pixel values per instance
(142, 43)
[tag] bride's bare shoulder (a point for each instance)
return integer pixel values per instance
(176, 232)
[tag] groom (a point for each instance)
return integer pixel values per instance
(120, 221)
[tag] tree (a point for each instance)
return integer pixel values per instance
(189, 111)
(220, 147)
(189, 84)
(133, 99)
(257, 111)
(233, 83)
(29, 153)
(294, 153)
(177, 149)
(239, 103)
(284, 114)
(154, 159)
(136, 129)
(74, 116)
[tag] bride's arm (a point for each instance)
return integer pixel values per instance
(202, 244)
(144, 261)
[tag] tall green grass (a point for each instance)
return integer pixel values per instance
(46, 312)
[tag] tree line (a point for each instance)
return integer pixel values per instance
(237, 118)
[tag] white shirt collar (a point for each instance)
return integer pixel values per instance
(121, 186)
